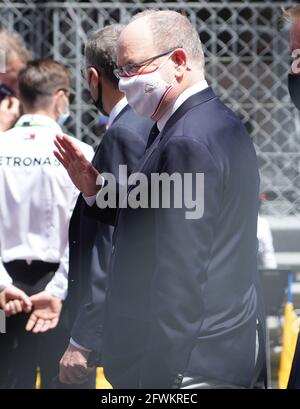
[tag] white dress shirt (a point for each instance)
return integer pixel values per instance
(116, 110)
(194, 89)
(37, 198)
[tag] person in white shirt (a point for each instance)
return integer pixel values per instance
(36, 202)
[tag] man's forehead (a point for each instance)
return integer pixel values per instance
(135, 44)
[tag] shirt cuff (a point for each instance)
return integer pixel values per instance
(91, 200)
(58, 286)
(76, 345)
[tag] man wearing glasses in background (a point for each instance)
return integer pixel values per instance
(36, 202)
(13, 58)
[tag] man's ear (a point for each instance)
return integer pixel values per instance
(180, 58)
(93, 77)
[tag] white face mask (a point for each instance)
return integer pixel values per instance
(145, 92)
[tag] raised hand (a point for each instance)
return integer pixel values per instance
(82, 173)
(9, 113)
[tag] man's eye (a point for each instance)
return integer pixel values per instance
(134, 67)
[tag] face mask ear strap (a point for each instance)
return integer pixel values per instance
(165, 62)
(294, 89)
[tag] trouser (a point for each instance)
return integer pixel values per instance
(21, 352)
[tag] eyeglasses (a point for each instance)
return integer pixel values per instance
(133, 69)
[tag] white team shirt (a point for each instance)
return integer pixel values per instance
(37, 198)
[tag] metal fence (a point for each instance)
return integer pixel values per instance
(247, 62)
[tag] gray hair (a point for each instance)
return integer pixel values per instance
(291, 12)
(11, 42)
(101, 50)
(171, 29)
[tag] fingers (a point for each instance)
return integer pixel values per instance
(46, 326)
(62, 153)
(2, 300)
(73, 366)
(70, 147)
(79, 371)
(73, 374)
(14, 301)
(13, 294)
(63, 376)
(25, 301)
(4, 104)
(13, 307)
(79, 379)
(10, 105)
(68, 377)
(35, 324)
(61, 160)
(66, 149)
(38, 326)
(14, 104)
(53, 323)
(31, 322)
(27, 307)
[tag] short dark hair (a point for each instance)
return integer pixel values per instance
(101, 50)
(40, 79)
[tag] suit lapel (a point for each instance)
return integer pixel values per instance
(122, 112)
(190, 103)
(197, 99)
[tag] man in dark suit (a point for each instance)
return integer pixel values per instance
(181, 305)
(90, 241)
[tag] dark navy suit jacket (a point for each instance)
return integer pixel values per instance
(90, 241)
(181, 297)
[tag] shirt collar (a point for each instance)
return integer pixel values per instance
(116, 110)
(38, 120)
(194, 89)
